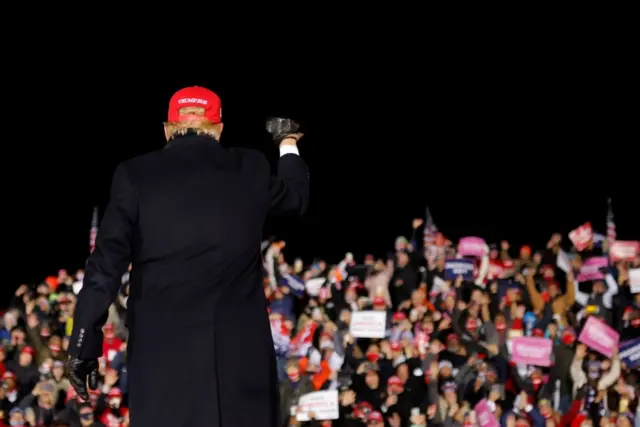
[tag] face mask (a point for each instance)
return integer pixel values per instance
(115, 403)
(17, 423)
(45, 368)
(472, 325)
(418, 425)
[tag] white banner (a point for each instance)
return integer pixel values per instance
(368, 324)
(323, 405)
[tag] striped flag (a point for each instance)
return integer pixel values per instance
(295, 283)
(301, 343)
(430, 229)
(611, 225)
(94, 229)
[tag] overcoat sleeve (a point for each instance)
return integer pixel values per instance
(289, 191)
(106, 265)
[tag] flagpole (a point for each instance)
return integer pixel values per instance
(611, 225)
(94, 229)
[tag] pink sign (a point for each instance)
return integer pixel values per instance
(531, 351)
(590, 270)
(624, 251)
(484, 415)
(599, 336)
(581, 236)
(472, 246)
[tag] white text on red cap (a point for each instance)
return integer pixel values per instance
(193, 101)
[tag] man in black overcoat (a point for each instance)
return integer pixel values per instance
(189, 218)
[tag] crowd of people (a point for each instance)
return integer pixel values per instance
(33, 362)
(446, 353)
(443, 355)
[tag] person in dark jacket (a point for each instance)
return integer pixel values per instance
(291, 389)
(25, 370)
(189, 219)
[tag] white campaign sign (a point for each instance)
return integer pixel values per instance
(322, 404)
(368, 324)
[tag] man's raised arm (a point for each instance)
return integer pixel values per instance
(289, 191)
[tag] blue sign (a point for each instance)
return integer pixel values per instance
(458, 267)
(630, 353)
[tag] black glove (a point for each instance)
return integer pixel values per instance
(281, 128)
(81, 372)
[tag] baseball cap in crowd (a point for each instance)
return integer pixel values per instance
(375, 416)
(28, 350)
(379, 301)
(195, 96)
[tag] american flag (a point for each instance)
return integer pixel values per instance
(301, 343)
(295, 283)
(430, 231)
(611, 225)
(94, 229)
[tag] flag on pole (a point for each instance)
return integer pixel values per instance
(611, 225)
(430, 229)
(94, 229)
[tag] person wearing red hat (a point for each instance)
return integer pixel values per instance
(189, 219)
(375, 419)
(25, 370)
(114, 413)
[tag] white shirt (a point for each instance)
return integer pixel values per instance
(289, 149)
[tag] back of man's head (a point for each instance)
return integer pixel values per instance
(194, 110)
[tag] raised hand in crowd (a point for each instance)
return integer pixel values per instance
(555, 240)
(347, 398)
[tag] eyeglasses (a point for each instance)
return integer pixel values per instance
(86, 415)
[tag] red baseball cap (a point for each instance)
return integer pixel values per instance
(27, 349)
(375, 416)
(195, 96)
(379, 301)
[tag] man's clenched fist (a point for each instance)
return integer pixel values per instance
(281, 128)
(82, 372)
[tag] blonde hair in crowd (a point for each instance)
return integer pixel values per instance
(199, 126)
